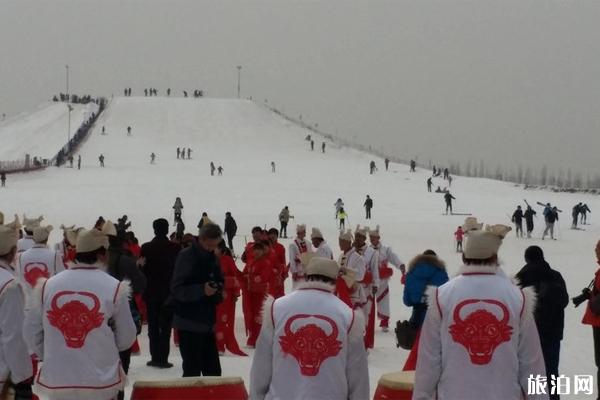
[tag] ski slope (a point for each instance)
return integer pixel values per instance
(244, 138)
(42, 132)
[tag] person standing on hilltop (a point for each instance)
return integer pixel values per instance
(3, 179)
(387, 163)
(212, 168)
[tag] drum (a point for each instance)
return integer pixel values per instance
(395, 386)
(208, 388)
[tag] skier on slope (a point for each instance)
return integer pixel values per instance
(551, 216)
(575, 215)
(368, 206)
(323, 147)
(529, 214)
(152, 158)
(312, 145)
(129, 131)
(212, 168)
(448, 198)
(387, 163)
(372, 167)
(584, 210)
(413, 166)
(177, 207)
(79, 162)
(3, 179)
(517, 219)
(429, 184)
(101, 159)
(178, 153)
(339, 204)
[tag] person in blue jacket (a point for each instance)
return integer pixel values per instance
(424, 270)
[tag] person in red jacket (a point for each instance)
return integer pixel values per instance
(225, 328)
(257, 275)
(590, 318)
(280, 273)
(459, 234)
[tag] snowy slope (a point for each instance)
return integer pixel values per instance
(41, 133)
(244, 138)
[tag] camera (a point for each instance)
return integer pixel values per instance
(585, 295)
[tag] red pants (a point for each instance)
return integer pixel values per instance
(255, 305)
(225, 327)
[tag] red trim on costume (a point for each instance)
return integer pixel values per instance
(37, 381)
(116, 293)
(43, 290)
(382, 295)
(437, 301)
(6, 284)
(272, 317)
(351, 323)
(478, 273)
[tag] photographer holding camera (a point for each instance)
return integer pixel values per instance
(592, 312)
(197, 288)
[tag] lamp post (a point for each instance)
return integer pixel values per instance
(68, 107)
(239, 68)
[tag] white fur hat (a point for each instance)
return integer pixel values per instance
(91, 240)
(71, 233)
(316, 234)
(346, 236)
(374, 232)
(41, 233)
(364, 231)
(301, 228)
(9, 235)
(471, 224)
(306, 257)
(109, 229)
(483, 244)
(29, 224)
(323, 266)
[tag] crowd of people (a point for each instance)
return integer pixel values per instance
(88, 296)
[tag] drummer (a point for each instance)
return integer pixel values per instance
(310, 314)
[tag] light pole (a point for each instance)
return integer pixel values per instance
(239, 68)
(68, 107)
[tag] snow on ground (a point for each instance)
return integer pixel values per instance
(42, 132)
(244, 138)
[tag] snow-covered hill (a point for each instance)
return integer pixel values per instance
(40, 133)
(244, 138)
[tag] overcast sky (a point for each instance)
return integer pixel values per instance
(510, 82)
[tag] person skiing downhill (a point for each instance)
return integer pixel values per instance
(448, 198)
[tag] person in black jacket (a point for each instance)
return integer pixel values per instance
(197, 289)
(121, 265)
(552, 298)
(230, 229)
(368, 206)
(528, 215)
(517, 219)
(158, 261)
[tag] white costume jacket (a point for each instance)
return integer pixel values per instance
(479, 339)
(15, 361)
(77, 323)
(25, 243)
(387, 256)
(296, 248)
(310, 347)
(324, 251)
(371, 264)
(37, 262)
(356, 263)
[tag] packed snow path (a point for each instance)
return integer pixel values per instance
(244, 138)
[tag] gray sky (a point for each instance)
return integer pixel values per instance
(510, 82)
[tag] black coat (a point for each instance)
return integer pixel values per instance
(160, 255)
(552, 298)
(517, 217)
(194, 311)
(230, 226)
(121, 266)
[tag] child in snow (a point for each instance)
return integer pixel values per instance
(341, 215)
(459, 234)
